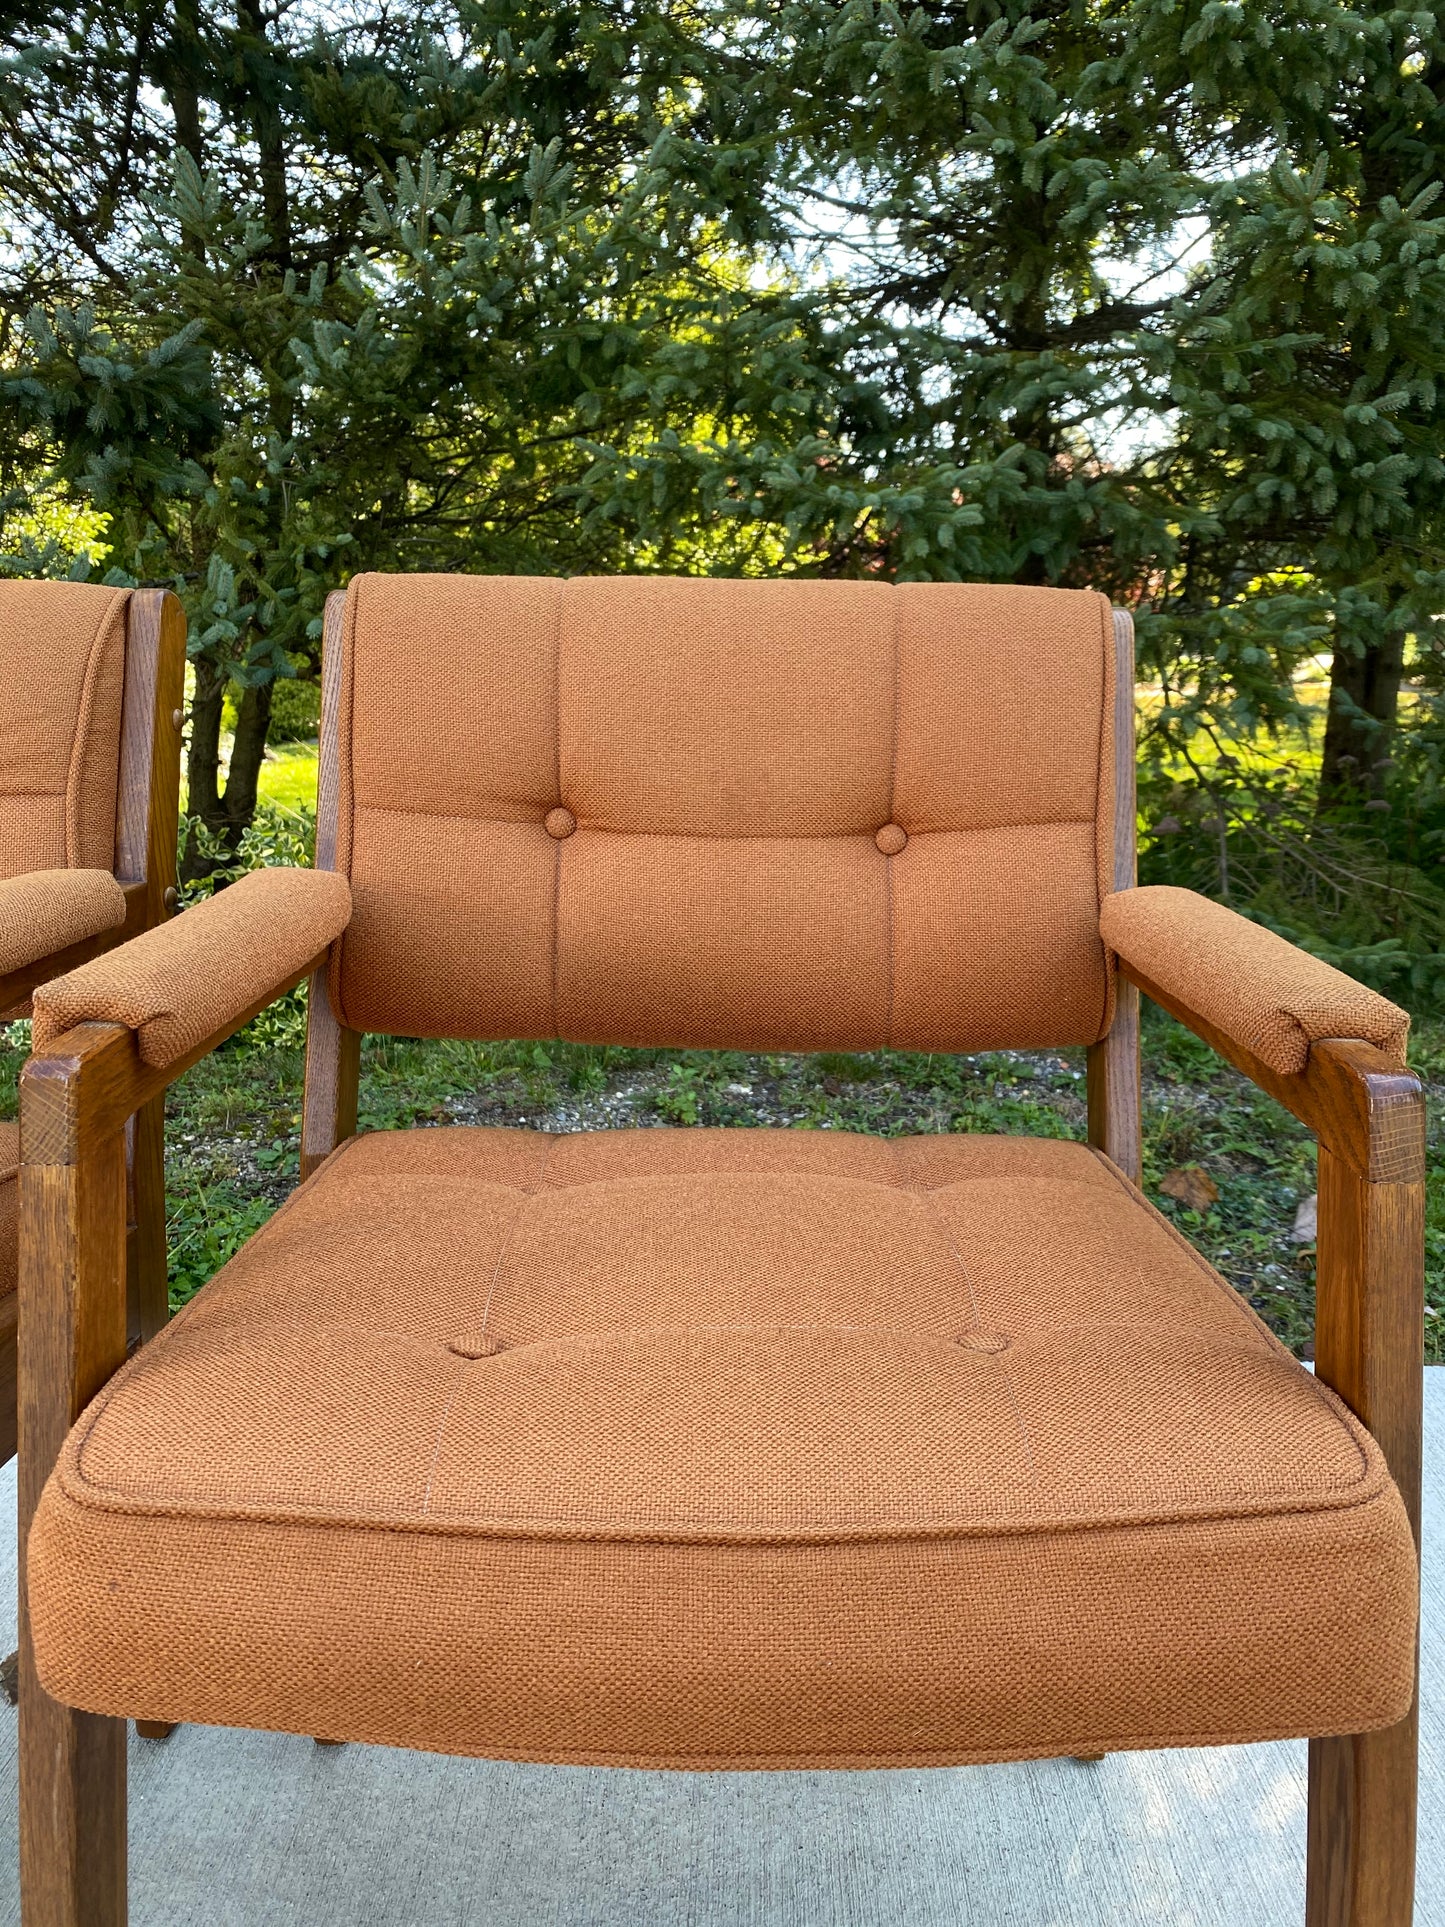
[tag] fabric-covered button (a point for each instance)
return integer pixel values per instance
(560, 823)
(980, 1341)
(474, 1345)
(891, 839)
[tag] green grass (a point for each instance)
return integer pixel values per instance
(234, 1121)
(288, 776)
(287, 779)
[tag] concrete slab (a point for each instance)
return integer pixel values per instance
(252, 1830)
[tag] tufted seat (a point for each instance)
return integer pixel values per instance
(728, 1448)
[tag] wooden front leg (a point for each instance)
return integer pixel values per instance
(1369, 1345)
(72, 1338)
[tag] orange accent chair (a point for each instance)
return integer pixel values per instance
(89, 769)
(716, 1449)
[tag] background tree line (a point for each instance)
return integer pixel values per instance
(1148, 294)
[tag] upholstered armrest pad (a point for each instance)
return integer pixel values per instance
(49, 910)
(197, 976)
(1244, 980)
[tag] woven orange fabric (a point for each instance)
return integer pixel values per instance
(193, 977)
(9, 1207)
(1271, 997)
(62, 667)
(48, 910)
(769, 814)
(724, 1448)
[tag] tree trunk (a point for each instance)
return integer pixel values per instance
(203, 757)
(270, 143)
(184, 65)
(248, 751)
(226, 814)
(1356, 745)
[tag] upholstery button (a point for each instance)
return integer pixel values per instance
(560, 823)
(978, 1341)
(474, 1345)
(891, 839)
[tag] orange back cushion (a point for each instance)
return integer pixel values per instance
(807, 814)
(62, 671)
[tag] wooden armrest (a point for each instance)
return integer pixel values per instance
(85, 1084)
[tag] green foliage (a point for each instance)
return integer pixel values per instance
(1148, 297)
(1340, 888)
(295, 710)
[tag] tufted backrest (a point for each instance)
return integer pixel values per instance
(62, 671)
(767, 815)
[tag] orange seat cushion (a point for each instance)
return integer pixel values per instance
(724, 1448)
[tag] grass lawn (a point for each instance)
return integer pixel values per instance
(232, 1138)
(288, 776)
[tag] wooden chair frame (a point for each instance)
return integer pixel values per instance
(147, 807)
(77, 1099)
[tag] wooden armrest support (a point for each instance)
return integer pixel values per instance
(90, 1080)
(1363, 1109)
(1369, 1118)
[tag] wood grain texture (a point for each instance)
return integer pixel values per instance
(148, 794)
(72, 1338)
(333, 1052)
(147, 1293)
(9, 1412)
(333, 1075)
(1369, 1346)
(1370, 1310)
(1114, 1094)
(328, 747)
(1359, 1105)
(1360, 1868)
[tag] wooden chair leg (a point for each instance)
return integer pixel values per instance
(1368, 1346)
(155, 1729)
(72, 1812)
(1362, 1798)
(72, 1338)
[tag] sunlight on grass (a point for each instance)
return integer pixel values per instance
(288, 776)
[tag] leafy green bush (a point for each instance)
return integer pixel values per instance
(295, 710)
(1352, 887)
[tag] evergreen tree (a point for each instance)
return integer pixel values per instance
(355, 302)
